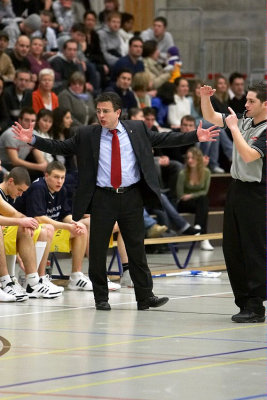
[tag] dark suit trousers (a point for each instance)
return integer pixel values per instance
(244, 243)
(127, 209)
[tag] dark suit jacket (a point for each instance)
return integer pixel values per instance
(86, 144)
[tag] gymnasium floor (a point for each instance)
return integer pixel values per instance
(187, 349)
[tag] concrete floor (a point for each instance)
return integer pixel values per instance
(187, 349)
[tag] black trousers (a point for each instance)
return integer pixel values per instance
(200, 207)
(127, 209)
(244, 243)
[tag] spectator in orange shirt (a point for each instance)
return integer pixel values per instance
(44, 97)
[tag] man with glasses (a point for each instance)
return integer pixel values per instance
(244, 235)
(117, 178)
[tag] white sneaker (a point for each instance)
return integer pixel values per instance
(197, 226)
(218, 170)
(47, 280)
(113, 286)
(80, 282)
(205, 245)
(18, 285)
(126, 280)
(16, 290)
(7, 297)
(42, 290)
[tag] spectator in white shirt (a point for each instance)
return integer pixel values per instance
(159, 33)
(182, 104)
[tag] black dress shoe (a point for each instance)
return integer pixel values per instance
(248, 316)
(103, 305)
(152, 301)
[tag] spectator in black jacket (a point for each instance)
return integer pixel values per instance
(237, 87)
(123, 88)
(17, 95)
(20, 52)
(65, 64)
(92, 49)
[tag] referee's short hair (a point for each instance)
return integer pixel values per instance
(260, 89)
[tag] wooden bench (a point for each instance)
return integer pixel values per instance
(173, 243)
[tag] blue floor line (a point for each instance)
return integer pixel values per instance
(258, 396)
(133, 335)
(129, 367)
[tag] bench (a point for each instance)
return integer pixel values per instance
(173, 243)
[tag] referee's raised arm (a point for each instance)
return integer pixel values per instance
(207, 109)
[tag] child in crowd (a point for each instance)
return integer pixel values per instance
(174, 63)
(43, 128)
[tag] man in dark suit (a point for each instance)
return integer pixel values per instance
(114, 185)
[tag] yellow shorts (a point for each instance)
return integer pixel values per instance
(10, 238)
(61, 241)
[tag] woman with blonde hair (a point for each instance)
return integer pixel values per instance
(140, 87)
(192, 190)
(220, 99)
(44, 97)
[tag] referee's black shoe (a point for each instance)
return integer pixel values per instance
(247, 316)
(152, 301)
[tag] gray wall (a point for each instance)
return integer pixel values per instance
(221, 18)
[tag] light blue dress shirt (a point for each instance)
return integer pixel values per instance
(129, 167)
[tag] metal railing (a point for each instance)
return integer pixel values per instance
(187, 40)
(225, 55)
(205, 56)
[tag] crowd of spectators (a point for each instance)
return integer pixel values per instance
(56, 56)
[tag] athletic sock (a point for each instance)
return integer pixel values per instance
(39, 250)
(11, 264)
(32, 279)
(77, 273)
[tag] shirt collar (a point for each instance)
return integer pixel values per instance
(118, 127)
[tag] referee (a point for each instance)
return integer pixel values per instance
(244, 237)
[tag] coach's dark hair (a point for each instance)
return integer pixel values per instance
(55, 165)
(260, 89)
(113, 97)
(20, 176)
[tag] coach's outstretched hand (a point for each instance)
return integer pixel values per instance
(25, 135)
(207, 135)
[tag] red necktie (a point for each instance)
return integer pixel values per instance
(115, 160)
